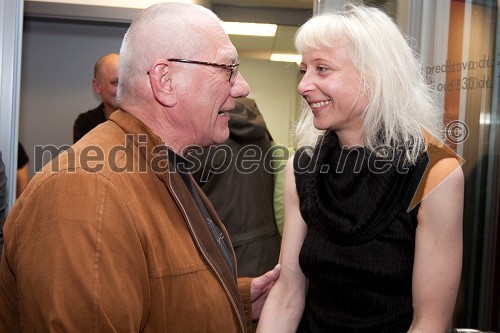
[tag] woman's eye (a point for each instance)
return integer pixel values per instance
(302, 72)
(322, 69)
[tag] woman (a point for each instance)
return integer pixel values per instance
(373, 213)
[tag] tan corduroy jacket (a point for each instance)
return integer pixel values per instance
(108, 239)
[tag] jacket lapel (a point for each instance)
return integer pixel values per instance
(151, 148)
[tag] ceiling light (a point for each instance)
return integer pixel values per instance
(286, 57)
(249, 29)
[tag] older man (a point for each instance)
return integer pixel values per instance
(113, 235)
(104, 83)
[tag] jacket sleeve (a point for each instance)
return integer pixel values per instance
(244, 288)
(75, 255)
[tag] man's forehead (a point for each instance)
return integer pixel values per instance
(215, 41)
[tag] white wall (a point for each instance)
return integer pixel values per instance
(56, 78)
(273, 85)
(57, 66)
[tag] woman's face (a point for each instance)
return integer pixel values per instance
(332, 88)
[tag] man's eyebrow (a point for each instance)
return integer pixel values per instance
(232, 58)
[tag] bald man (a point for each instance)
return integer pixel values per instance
(114, 235)
(104, 84)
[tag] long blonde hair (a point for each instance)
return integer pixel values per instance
(400, 102)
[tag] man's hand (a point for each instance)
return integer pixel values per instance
(259, 289)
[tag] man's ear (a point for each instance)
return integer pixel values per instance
(96, 86)
(161, 83)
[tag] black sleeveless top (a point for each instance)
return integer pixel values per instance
(359, 249)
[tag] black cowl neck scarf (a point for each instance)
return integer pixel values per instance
(351, 195)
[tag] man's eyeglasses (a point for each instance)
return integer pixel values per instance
(233, 68)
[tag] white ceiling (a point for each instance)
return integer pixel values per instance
(298, 4)
(262, 47)
(288, 14)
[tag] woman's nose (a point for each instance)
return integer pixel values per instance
(305, 85)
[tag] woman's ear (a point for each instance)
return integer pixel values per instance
(161, 83)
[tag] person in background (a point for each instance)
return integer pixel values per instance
(22, 177)
(372, 240)
(3, 198)
(22, 180)
(104, 84)
(237, 178)
(113, 235)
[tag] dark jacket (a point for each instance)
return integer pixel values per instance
(115, 243)
(3, 198)
(87, 121)
(237, 178)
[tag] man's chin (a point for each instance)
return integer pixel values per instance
(222, 137)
